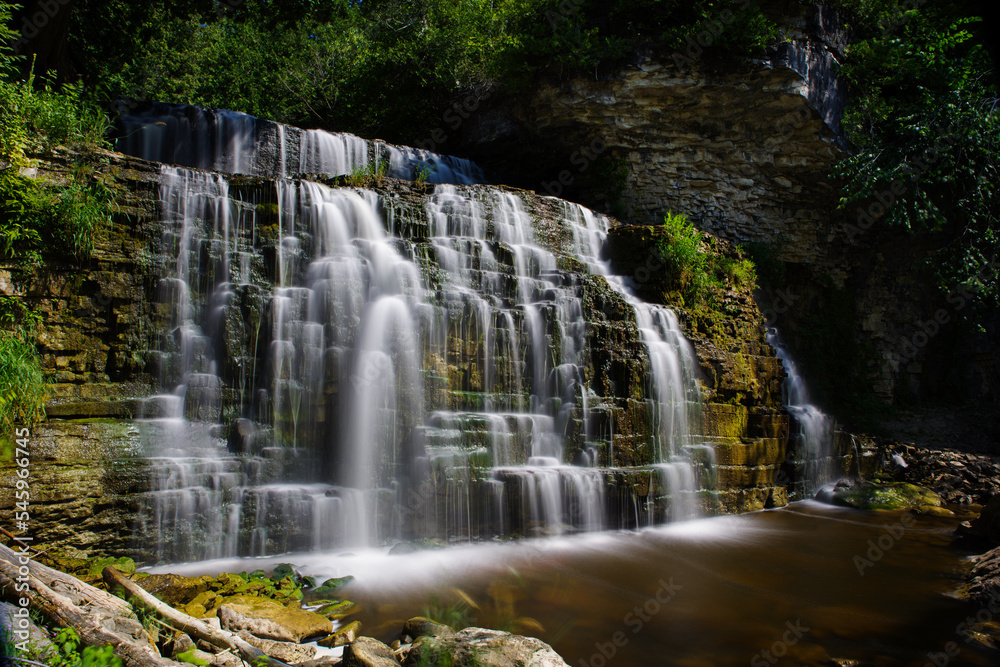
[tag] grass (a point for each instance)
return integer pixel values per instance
(22, 385)
(372, 174)
(690, 263)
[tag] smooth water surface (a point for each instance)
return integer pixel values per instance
(709, 592)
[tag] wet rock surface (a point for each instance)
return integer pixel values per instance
(877, 495)
(482, 647)
(958, 477)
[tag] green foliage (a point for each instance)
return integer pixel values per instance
(740, 273)
(69, 653)
(686, 261)
(190, 658)
(457, 614)
(698, 271)
(370, 175)
(22, 385)
(388, 67)
(925, 119)
(34, 116)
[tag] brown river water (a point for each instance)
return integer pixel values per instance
(802, 585)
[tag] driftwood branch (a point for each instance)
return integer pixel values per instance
(68, 584)
(191, 625)
(90, 621)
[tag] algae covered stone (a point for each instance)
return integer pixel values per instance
(268, 619)
(868, 495)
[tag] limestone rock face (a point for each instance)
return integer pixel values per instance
(269, 620)
(486, 648)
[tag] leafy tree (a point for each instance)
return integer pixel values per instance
(925, 119)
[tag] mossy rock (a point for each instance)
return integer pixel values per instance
(339, 610)
(89, 569)
(269, 619)
(202, 605)
(174, 589)
(342, 636)
(331, 586)
(885, 496)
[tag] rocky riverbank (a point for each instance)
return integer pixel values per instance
(972, 480)
(278, 618)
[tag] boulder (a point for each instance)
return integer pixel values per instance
(484, 648)
(339, 610)
(324, 661)
(342, 636)
(984, 578)
(284, 651)
(420, 626)
(870, 495)
(331, 586)
(174, 589)
(368, 652)
(270, 620)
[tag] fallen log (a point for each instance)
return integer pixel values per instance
(91, 622)
(67, 584)
(191, 625)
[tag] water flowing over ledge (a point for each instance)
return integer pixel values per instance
(394, 374)
(236, 143)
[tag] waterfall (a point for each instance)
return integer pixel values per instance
(236, 143)
(811, 449)
(400, 373)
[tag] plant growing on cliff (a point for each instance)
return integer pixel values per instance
(686, 261)
(22, 384)
(34, 116)
(697, 270)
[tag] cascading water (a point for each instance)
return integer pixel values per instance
(236, 143)
(812, 448)
(390, 385)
